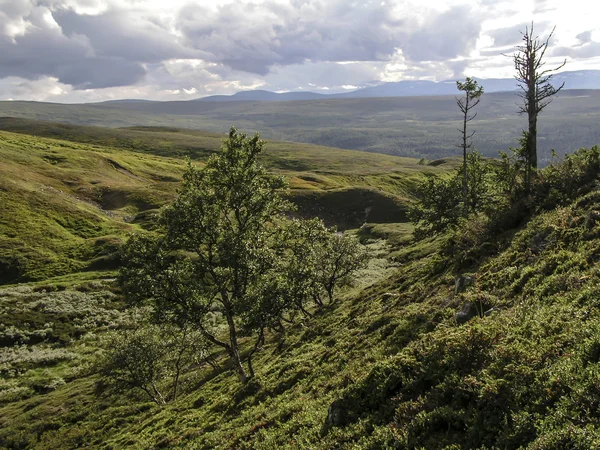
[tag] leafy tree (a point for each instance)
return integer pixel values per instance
(217, 251)
(509, 173)
(438, 205)
(227, 252)
(471, 99)
(536, 89)
(478, 180)
(306, 241)
(338, 260)
(151, 359)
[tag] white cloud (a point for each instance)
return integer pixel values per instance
(89, 50)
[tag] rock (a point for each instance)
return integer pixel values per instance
(468, 311)
(474, 309)
(461, 283)
(335, 414)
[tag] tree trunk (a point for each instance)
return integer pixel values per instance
(235, 357)
(532, 112)
(317, 300)
(233, 350)
(259, 340)
(158, 397)
(465, 185)
(330, 288)
(532, 146)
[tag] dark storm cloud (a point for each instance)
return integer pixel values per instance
(85, 51)
(71, 60)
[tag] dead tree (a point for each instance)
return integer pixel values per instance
(536, 89)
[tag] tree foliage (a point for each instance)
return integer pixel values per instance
(440, 202)
(151, 359)
(226, 252)
(472, 97)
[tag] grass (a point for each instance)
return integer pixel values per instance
(385, 366)
(388, 357)
(71, 194)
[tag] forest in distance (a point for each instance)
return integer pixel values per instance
(419, 127)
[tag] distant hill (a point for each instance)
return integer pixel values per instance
(261, 95)
(581, 79)
(417, 126)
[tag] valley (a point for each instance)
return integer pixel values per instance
(418, 127)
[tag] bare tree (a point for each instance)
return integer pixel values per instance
(536, 89)
(473, 93)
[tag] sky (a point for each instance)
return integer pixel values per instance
(74, 51)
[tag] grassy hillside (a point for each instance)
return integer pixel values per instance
(407, 126)
(388, 366)
(69, 194)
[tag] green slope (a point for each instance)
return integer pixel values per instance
(386, 367)
(69, 194)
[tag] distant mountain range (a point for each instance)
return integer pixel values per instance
(581, 79)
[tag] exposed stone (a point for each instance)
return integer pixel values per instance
(461, 284)
(335, 414)
(474, 309)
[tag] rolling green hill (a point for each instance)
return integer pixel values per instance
(387, 366)
(70, 194)
(391, 364)
(406, 126)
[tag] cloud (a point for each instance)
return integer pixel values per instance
(445, 36)
(585, 37)
(585, 51)
(254, 38)
(184, 48)
(44, 52)
(586, 47)
(543, 6)
(40, 48)
(509, 36)
(86, 51)
(122, 34)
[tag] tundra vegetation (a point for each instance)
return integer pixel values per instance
(225, 331)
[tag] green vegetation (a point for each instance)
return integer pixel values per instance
(68, 202)
(419, 127)
(226, 249)
(484, 335)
